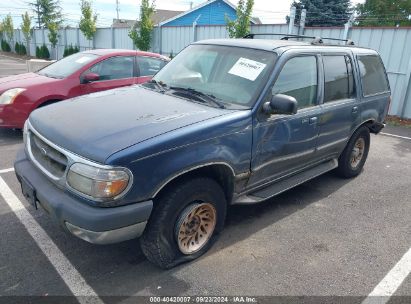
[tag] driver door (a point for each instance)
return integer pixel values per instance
(113, 72)
(284, 144)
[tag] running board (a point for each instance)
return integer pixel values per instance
(286, 184)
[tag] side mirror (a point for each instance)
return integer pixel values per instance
(90, 77)
(281, 104)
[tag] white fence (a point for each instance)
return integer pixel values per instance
(392, 43)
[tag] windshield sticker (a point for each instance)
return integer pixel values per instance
(83, 59)
(248, 69)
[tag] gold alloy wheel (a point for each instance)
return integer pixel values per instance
(357, 152)
(195, 227)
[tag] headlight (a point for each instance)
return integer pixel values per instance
(8, 96)
(98, 183)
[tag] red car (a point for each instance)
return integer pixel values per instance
(78, 74)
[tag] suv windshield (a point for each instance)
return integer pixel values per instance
(231, 75)
(67, 65)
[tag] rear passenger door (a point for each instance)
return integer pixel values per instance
(340, 107)
(148, 67)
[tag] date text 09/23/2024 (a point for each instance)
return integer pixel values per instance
(207, 299)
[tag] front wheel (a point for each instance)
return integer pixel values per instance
(185, 220)
(352, 159)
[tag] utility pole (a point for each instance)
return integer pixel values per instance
(117, 9)
(348, 25)
(292, 19)
(302, 21)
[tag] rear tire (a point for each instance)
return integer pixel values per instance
(352, 159)
(182, 214)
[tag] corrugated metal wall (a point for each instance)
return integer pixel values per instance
(334, 32)
(121, 39)
(175, 38)
(392, 43)
(172, 39)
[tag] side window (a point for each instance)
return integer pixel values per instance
(373, 78)
(150, 66)
(338, 76)
(298, 78)
(114, 68)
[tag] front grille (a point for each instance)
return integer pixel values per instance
(51, 160)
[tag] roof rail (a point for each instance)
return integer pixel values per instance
(315, 40)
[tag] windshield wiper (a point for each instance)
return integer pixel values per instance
(203, 97)
(159, 84)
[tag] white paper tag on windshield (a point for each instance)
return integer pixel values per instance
(246, 68)
(83, 59)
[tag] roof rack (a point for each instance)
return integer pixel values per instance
(315, 40)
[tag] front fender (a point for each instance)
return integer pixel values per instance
(46, 98)
(228, 144)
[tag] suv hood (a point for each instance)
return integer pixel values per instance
(23, 81)
(97, 125)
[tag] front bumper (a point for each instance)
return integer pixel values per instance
(376, 127)
(93, 224)
(10, 117)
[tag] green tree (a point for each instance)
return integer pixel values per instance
(8, 28)
(88, 20)
(47, 11)
(241, 26)
(384, 13)
(49, 16)
(141, 31)
(53, 36)
(323, 12)
(26, 29)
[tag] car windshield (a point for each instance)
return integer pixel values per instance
(67, 66)
(231, 75)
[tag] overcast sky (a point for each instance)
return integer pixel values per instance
(269, 11)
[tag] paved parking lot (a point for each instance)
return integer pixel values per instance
(327, 237)
(11, 66)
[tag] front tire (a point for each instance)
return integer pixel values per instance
(184, 223)
(352, 159)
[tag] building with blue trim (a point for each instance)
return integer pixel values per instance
(212, 12)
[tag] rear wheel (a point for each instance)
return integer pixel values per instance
(352, 160)
(184, 223)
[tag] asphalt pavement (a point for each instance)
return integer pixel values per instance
(11, 66)
(328, 237)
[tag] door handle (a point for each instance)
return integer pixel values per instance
(355, 109)
(313, 120)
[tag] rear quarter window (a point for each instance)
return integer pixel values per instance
(373, 78)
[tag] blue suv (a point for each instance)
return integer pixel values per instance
(225, 122)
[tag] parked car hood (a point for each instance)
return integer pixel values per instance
(97, 125)
(23, 81)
